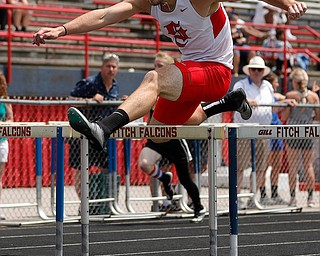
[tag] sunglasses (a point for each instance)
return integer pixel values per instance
(257, 69)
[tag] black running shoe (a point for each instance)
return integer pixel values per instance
(92, 131)
(239, 98)
(167, 186)
(199, 213)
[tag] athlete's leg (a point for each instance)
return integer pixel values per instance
(166, 82)
(147, 159)
(199, 80)
(178, 153)
(149, 155)
(234, 101)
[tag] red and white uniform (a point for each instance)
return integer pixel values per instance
(198, 38)
(207, 53)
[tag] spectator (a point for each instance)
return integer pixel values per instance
(240, 57)
(21, 17)
(316, 159)
(301, 149)
(6, 115)
(315, 88)
(258, 92)
(266, 14)
(97, 88)
(269, 56)
(276, 59)
(303, 60)
(276, 154)
(3, 15)
(280, 56)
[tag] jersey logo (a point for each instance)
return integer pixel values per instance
(182, 10)
(179, 34)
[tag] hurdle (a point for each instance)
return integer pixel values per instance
(166, 132)
(235, 132)
(212, 133)
(22, 130)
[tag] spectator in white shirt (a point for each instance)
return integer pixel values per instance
(258, 92)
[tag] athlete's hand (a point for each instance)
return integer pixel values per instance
(47, 33)
(296, 10)
(98, 98)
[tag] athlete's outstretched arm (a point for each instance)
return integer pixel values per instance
(295, 9)
(92, 20)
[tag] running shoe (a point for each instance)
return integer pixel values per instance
(279, 201)
(251, 204)
(199, 214)
(92, 131)
(293, 202)
(311, 203)
(266, 201)
(169, 208)
(241, 205)
(2, 216)
(240, 97)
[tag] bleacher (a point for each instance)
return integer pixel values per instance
(133, 40)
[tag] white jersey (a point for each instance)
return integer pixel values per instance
(198, 38)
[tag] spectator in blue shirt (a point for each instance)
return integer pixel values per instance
(100, 87)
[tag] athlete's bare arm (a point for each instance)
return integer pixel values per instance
(94, 20)
(295, 9)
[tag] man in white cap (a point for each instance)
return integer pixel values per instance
(258, 92)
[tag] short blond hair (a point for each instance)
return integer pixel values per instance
(299, 78)
(299, 74)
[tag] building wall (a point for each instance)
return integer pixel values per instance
(33, 81)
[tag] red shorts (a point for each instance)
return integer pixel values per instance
(202, 81)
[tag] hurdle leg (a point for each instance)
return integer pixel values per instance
(60, 193)
(39, 178)
(233, 197)
(212, 171)
(84, 196)
(53, 171)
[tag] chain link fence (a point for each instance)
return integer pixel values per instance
(29, 175)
